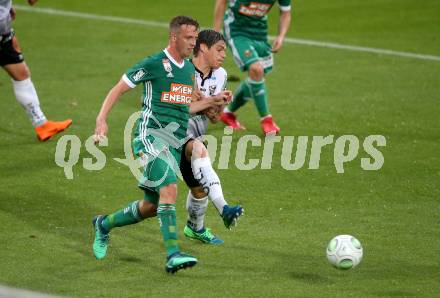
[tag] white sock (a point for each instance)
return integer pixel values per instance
(26, 95)
(267, 116)
(196, 211)
(208, 179)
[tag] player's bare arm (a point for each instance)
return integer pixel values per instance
(196, 95)
(283, 27)
(112, 97)
(219, 11)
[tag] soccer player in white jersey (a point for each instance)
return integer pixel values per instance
(12, 61)
(196, 168)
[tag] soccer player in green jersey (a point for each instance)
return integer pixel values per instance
(245, 27)
(168, 80)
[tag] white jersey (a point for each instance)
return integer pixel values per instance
(5, 18)
(212, 84)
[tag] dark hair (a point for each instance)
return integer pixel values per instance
(208, 37)
(178, 21)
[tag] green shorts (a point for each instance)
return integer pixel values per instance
(246, 51)
(161, 166)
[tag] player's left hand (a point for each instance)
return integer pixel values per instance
(32, 2)
(277, 43)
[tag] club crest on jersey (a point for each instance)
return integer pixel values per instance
(167, 66)
(212, 90)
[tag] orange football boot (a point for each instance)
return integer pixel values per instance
(51, 128)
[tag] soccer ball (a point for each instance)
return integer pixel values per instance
(344, 252)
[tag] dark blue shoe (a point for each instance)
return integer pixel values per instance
(230, 215)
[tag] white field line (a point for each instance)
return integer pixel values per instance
(287, 40)
(6, 292)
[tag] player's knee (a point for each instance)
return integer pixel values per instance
(203, 151)
(20, 73)
(198, 149)
(256, 71)
(147, 209)
(198, 192)
(168, 194)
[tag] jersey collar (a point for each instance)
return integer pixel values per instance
(179, 65)
(201, 74)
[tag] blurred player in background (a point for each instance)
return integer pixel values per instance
(12, 60)
(245, 27)
(195, 165)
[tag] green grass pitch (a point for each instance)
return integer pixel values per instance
(278, 248)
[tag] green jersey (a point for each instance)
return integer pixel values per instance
(249, 17)
(167, 90)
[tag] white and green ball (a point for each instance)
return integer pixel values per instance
(344, 252)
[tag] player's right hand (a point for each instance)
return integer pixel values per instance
(101, 130)
(277, 43)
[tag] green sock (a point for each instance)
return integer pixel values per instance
(240, 97)
(127, 216)
(166, 213)
(259, 94)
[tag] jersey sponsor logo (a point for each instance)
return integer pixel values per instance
(255, 9)
(138, 75)
(179, 94)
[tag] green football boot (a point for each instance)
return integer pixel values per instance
(230, 215)
(203, 235)
(101, 239)
(179, 261)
